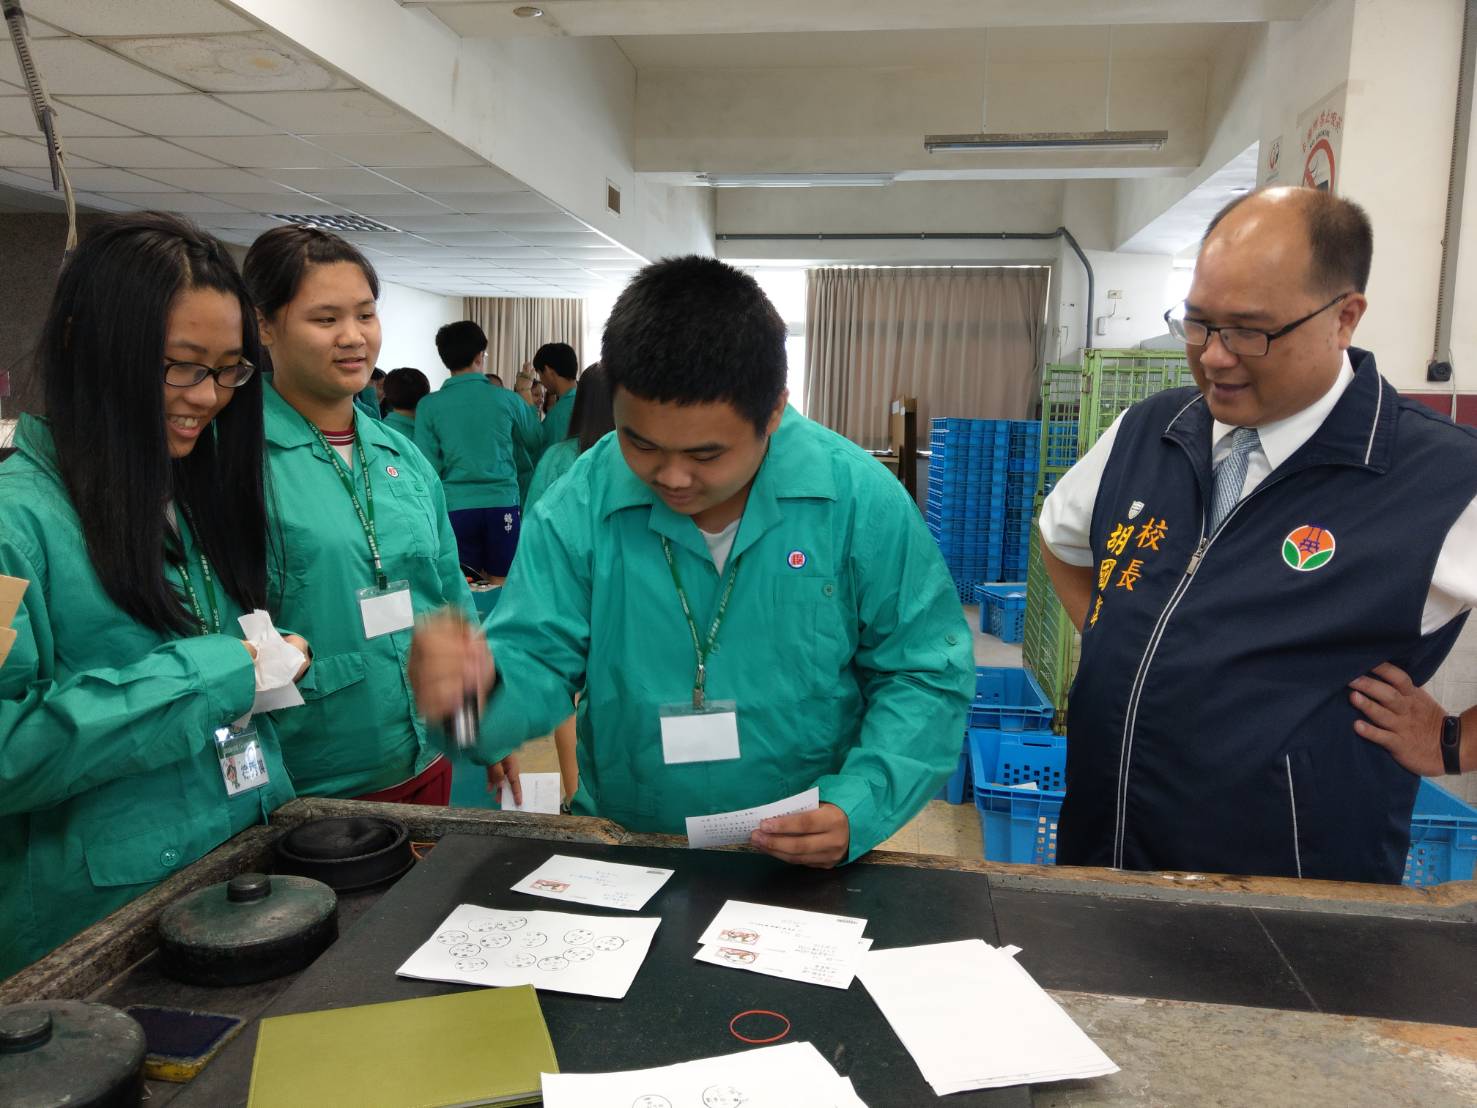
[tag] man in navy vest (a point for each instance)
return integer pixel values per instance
(1238, 555)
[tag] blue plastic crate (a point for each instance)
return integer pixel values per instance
(1003, 758)
(1443, 838)
(959, 788)
(1003, 611)
(1008, 698)
(1018, 825)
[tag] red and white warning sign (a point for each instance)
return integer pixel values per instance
(1321, 128)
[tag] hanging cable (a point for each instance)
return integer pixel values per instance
(20, 38)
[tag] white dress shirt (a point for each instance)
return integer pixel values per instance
(1066, 517)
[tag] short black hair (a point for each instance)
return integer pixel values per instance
(378, 374)
(278, 260)
(696, 331)
(405, 388)
(1340, 238)
(459, 343)
(558, 356)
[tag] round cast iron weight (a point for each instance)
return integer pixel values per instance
(72, 1053)
(251, 928)
(347, 853)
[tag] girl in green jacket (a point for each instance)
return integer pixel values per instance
(135, 514)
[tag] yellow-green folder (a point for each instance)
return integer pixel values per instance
(485, 1046)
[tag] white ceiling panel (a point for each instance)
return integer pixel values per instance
(241, 221)
(219, 181)
(263, 152)
(397, 150)
(560, 238)
(232, 63)
(287, 203)
(499, 255)
(186, 202)
(137, 17)
(348, 181)
(475, 239)
(106, 180)
(139, 152)
(24, 153)
(443, 182)
(543, 221)
(607, 253)
(391, 206)
(101, 203)
(16, 119)
(352, 112)
(447, 224)
(190, 114)
(72, 66)
(492, 203)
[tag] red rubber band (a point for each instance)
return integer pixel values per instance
(758, 1012)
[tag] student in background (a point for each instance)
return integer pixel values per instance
(404, 389)
(557, 367)
(135, 510)
(371, 398)
(360, 544)
(467, 430)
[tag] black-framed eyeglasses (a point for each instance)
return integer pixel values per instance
(1245, 342)
(186, 375)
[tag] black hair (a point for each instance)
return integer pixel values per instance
(696, 331)
(1340, 238)
(459, 344)
(591, 418)
(278, 261)
(102, 359)
(559, 357)
(496, 379)
(405, 388)
(378, 374)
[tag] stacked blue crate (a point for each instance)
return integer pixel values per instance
(981, 476)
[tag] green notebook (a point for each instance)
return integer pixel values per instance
(484, 1046)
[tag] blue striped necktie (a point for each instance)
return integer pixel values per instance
(1230, 475)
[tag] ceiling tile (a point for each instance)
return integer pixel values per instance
(263, 152)
(347, 181)
(24, 180)
(607, 253)
(215, 180)
(447, 223)
(139, 152)
(351, 112)
(475, 179)
(241, 221)
(287, 203)
(492, 203)
(257, 62)
(71, 66)
(398, 150)
(186, 202)
(24, 153)
(137, 17)
(503, 254)
(106, 203)
(106, 180)
(560, 238)
(468, 240)
(391, 205)
(173, 115)
(16, 118)
(545, 221)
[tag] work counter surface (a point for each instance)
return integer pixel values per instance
(1203, 989)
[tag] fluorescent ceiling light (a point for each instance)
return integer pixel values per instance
(1049, 140)
(793, 180)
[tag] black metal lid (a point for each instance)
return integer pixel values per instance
(347, 853)
(249, 910)
(69, 1052)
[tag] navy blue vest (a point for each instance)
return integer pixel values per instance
(1210, 727)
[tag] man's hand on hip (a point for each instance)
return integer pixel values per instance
(1403, 719)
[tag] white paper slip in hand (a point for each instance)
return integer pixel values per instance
(586, 881)
(540, 794)
(730, 828)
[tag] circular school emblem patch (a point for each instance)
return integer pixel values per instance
(1307, 548)
(392, 471)
(797, 559)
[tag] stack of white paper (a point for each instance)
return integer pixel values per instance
(785, 942)
(587, 881)
(790, 1076)
(973, 1018)
(731, 828)
(593, 955)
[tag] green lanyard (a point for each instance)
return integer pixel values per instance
(364, 510)
(699, 684)
(214, 626)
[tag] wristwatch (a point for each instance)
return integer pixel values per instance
(1451, 744)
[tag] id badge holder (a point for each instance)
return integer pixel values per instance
(239, 749)
(387, 610)
(706, 734)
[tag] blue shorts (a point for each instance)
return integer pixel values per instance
(487, 538)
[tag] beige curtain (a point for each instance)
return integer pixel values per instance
(517, 326)
(965, 341)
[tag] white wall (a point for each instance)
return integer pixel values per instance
(409, 319)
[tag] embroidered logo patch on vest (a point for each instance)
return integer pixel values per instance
(797, 559)
(1307, 548)
(1135, 508)
(392, 471)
